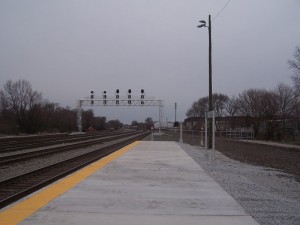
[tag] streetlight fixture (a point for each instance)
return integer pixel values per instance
(203, 24)
(210, 106)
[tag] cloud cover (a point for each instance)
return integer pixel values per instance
(67, 48)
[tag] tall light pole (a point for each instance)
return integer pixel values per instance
(210, 106)
(175, 111)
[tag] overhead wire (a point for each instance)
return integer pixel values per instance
(221, 10)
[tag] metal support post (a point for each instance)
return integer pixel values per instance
(211, 116)
(161, 114)
(152, 133)
(180, 140)
(205, 133)
(79, 116)
(213, 135)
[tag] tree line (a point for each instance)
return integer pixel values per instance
(272, 114)
(147, 125)
(23, 110)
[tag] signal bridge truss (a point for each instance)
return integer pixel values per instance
(120, 101)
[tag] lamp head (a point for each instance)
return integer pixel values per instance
(203, 23)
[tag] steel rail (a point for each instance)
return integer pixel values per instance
(18, 187)
(6, 160)
(28, 143)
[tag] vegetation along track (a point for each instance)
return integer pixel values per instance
(17, 187)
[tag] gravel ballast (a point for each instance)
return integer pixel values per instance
(269, 195)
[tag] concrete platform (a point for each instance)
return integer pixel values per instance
(153, 183)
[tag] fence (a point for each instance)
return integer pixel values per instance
(246, 134)
(196, 138)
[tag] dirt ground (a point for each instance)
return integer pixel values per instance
(263, 179)
(286, 159)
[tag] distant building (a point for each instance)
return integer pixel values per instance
(222, 123)
(194, 123)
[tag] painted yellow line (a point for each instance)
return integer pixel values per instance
(24, 209)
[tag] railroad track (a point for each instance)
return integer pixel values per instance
(9, 142)
(18, 187)
(20, 157)
(24, 143)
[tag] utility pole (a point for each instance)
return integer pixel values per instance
(175, 111)
(210, 104)
(210, 107)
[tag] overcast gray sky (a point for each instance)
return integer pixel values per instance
(66, 48)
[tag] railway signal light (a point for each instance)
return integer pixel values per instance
(117, 96)
(129, 96)
(104, 97)
(129, 93)
(142, 96)
(92, 97)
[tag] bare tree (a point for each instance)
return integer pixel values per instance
(149, 123)
(231, 110)
(286, 101)
(99, 123)
(295, 66)
(198, 108)
(114, 124)
(19, 98)
(260, 106)
(231, 107)
(270, 114)
(134, 123)
(87, 119)
(219, 103)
